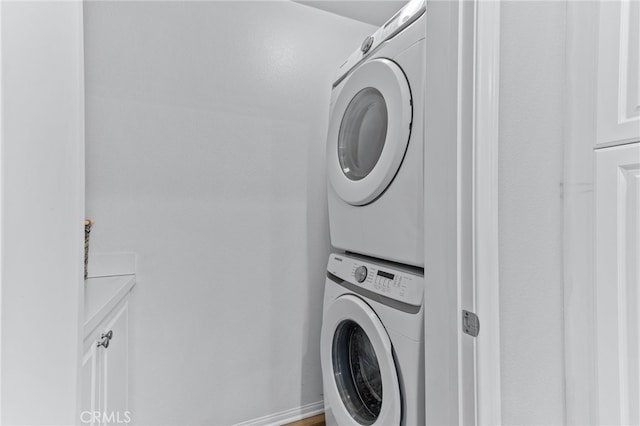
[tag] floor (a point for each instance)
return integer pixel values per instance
(309, 421)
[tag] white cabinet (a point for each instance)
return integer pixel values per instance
(602, 158)
(114, 366)
(105, 375)
(618, 97)
(617, 295)
(105, 365)
(89, 387)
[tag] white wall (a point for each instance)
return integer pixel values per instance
(205, 156)
(530, 211)
(42, 211)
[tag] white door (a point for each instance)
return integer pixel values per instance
(618, 284)
(361, 381)
(369, 131)
(115, 386)
(601, 211)
(618, 94)
(89, 388)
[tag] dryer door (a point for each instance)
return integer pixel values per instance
(369, 131)
(360, 378)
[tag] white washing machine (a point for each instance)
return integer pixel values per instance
(372, 346)
(375, 143)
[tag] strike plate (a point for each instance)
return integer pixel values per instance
(470, 323)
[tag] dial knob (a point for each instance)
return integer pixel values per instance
(360, 273)
(366, 45)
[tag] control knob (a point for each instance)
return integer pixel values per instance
(360, 273)
(366, 45)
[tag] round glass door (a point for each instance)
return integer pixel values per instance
(357, 373)
(362, 133)
(369, 131)
(358, 367)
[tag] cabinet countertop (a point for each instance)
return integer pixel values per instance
(101, 295)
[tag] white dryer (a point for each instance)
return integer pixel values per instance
(375, 143)
(372, 346)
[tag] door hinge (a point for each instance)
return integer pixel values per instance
(470, 323)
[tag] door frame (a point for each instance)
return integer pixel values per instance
(462, 373)
(578, 221)
(485, 193)
(1, 202)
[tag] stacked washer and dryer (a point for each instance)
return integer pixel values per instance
(372, 344)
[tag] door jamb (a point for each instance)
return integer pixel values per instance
(461, 250)
(485, 215)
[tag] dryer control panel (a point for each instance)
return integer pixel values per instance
(398, 22)
(404, 284)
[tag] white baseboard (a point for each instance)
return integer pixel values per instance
(288, 416)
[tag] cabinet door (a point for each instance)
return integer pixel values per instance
(89, 390)
(115, 369)
(618, 105)
(618, 284)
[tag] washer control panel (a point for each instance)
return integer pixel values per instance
(393, 281)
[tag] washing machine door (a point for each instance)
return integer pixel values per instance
(369, 131)
(360, 378)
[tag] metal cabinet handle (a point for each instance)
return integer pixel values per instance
(106, 338)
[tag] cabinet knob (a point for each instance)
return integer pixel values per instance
(106, 338)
